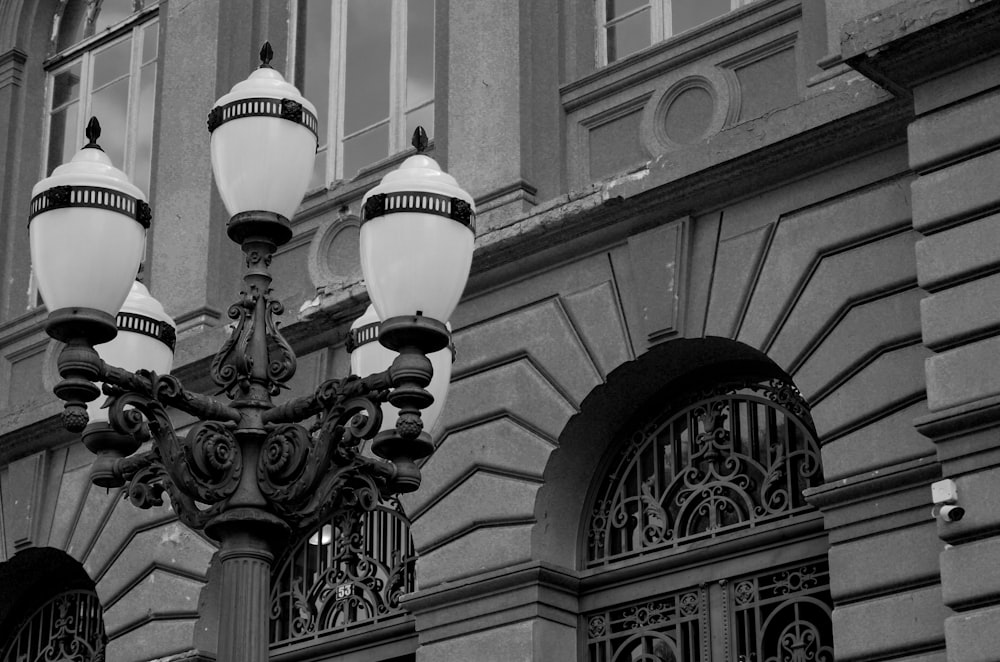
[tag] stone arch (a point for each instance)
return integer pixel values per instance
(585, 440)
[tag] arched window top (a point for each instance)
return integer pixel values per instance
(711, 462)
(69, 626)
(78, 20)
(348, 572)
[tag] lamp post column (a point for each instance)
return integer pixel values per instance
(246, 536)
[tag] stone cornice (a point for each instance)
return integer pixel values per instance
(874, 484)
(912, 41)
(12, 67)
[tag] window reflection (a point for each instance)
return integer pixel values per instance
(375, 60)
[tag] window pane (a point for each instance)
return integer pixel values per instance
(366, 94)
(109, 106)
(628, 36)
(112, 12)
(314, 60)
(423, 116)
(690, 13)
(615, 8)
(62, 136)
(150, 41)
(71, 24)
(112, 62)
(144, 130)
(66, 86)
(318, 178)
(365, 148)
(420, 52)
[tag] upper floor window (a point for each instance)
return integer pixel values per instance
(627, 26)
(368, 66)
(102, 62)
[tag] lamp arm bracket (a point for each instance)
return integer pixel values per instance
(146, 480)
(205, 466)
(326, 396)
(168, 390)
(305, 473)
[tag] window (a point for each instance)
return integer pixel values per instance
(627, 26)
(704, 500)
(368, 66)
(103, 63)
(346, 574)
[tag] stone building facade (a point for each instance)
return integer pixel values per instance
(733, 311)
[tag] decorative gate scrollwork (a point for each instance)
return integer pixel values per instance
(729, 458)
(69, 627)
(780, 615)
(349, 571)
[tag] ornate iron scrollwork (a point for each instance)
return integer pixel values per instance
(345, 572)
(718, 461)
(68, 627)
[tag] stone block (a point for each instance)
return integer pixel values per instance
(952, 132)
(831, 284)
(160, 592)
(963, 190)
(967, 81)
(958, 253)
(891, 380)
(882, 443)
(518, 389)
(480, 500)
(804, 237)
(476, 552)
(973, 636)
(969, 310)
(510, 643)
(979, 494)
(872, 565)
(890, 626)
(963, 374)
(545, 333)
(858, 334)
(968, 573)
(659, 262)
(501, 445)
(151, 641)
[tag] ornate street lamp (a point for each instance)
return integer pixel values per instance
(249, 472)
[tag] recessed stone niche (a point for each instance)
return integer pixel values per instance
(334, 260)
(686, 112)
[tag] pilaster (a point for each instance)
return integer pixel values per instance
(945, 56)
(527, 612)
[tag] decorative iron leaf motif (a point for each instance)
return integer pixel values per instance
(347, 571)
(720, 460)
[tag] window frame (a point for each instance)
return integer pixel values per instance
(83, 53)
(660, 25)
(332, 142)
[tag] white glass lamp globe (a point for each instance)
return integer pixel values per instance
(263, 143)
(145, 340)
(87, 230)
(416, 241)
(368, 356)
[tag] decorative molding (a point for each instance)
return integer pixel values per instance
(874, 484)
(12, 67)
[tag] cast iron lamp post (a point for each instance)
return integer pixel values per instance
(249, 472)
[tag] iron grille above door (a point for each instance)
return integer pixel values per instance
(69, 627)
